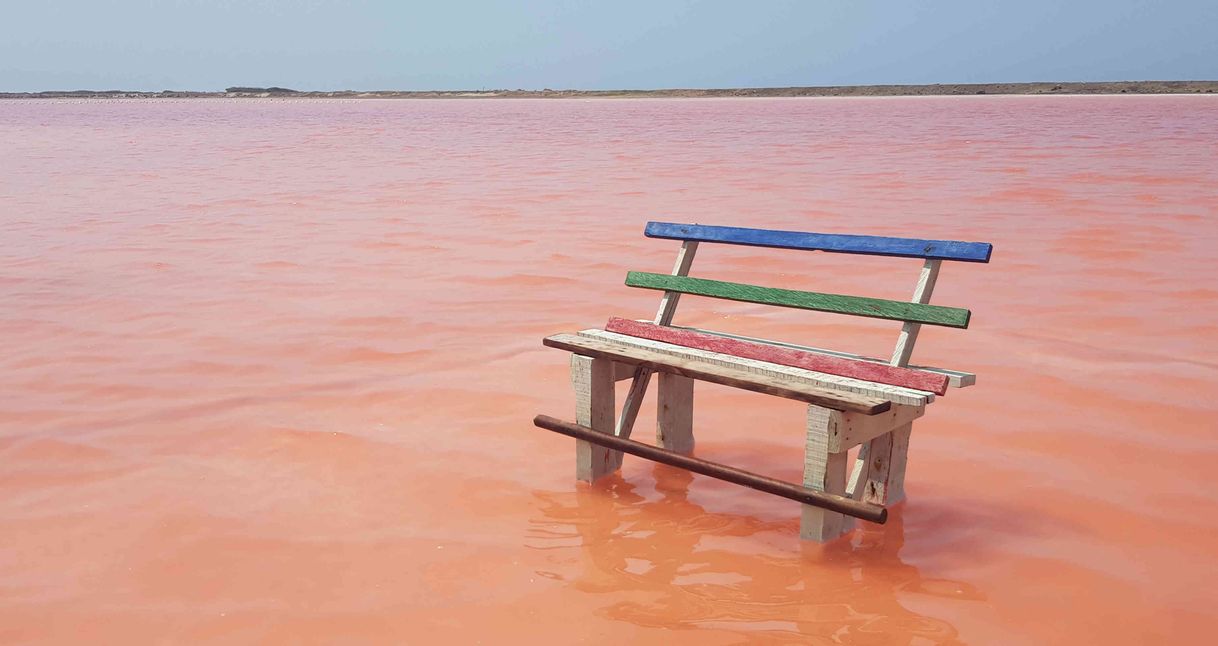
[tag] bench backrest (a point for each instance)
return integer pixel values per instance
(913, 313)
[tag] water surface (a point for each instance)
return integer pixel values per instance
(269, 369)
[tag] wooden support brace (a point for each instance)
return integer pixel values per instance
(593, 382)
(847, 430)
(852, 429)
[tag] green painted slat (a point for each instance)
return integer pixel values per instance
(853, 305)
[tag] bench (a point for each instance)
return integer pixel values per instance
(853, 401)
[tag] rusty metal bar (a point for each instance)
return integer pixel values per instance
(832, 502)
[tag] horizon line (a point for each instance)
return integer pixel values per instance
(886, 89)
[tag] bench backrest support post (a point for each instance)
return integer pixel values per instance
(880, 464)
(668, 303)
(909, 330)
(642, 376)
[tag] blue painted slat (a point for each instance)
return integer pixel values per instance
(836, 243)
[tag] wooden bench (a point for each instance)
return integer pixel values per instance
(852, 400)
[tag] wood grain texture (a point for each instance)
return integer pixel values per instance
(668, 303)
(955, 378)
(879, 454)
(716, 374)
(853, 368)
(909, 331)
(895, 491)
(837, 303)
(835, 243)
(824, 471)
(854, 429)
(593, 382)
(894, 394)
(675, 413)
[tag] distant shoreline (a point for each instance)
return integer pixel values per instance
(946, 89)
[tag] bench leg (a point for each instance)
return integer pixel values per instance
(593, 381)
(675, 413)
(823, 471)
(879, 473)
(896, 466)
(879, 469)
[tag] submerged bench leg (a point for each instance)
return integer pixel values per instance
(675, 413)
(593, 381)
(896, 467)
(880, 473)
(823, 471)
(879, 469)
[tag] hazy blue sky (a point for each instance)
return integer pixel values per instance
(455, 44)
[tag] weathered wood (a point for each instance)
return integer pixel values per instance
(836, 303)
(675, 413)
(642, 376)
(909, 331)
(858, 475)
(955, 378)
(830, 242)
(807, 496)
(668, 302)
(885, 458)
(823, 471)
(593, 381)
(623, 371)
(853, 368)
(895, 491)
(894, 394)
(879, 436)
(852, 429)
(879, 452)
(716, 374)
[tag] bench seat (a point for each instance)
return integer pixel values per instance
(955, 378)
(637, 354)
(792, 375)
(867, 371)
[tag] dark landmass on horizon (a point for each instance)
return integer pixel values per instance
(945, 89)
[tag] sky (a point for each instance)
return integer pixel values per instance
(536, 44)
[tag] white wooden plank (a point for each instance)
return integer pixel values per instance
(894, 394)
(718, 374)
(956, 378)
(879, 452)
(854, 429)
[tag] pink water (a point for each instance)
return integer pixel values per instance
(269, 368)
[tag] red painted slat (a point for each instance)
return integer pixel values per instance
(865, 370)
